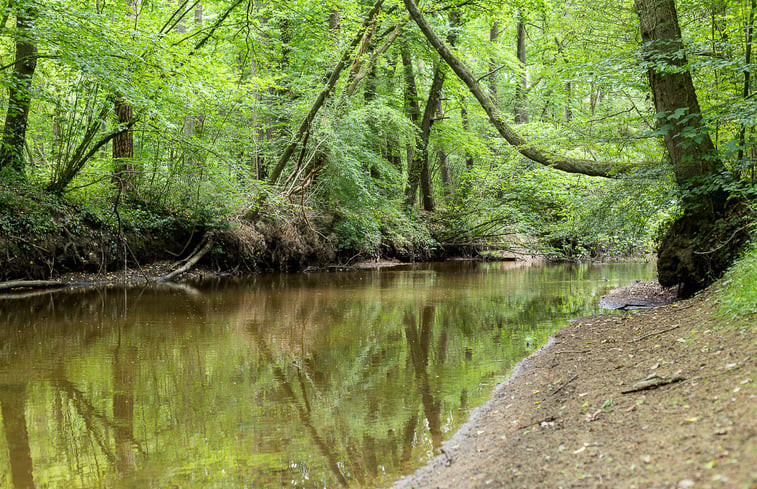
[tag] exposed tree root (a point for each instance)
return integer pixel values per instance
(189, 262)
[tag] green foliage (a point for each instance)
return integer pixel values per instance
(28, 213)
(358, 234)
(214, 115)
(738, 289)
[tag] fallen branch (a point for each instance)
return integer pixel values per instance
(652, 382)
(31, 284)
(655, 333)
(563, 385)
(191, 261)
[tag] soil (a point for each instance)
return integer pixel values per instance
(659, 398)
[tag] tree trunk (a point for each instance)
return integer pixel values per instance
(123, 143)
(19, 96)
(493, 36)
(521, 109)
(444, 161)
(434, 98)
(412, 108)
(687, 141)
(466, 127)
(123, 147)
(746, 91)
(704, 241)
(419, 171)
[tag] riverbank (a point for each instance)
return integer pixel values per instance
(657, 398)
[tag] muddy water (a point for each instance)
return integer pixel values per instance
(312, 380)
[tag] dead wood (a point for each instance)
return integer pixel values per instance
(655, 333)
(652, 382)
(192, 260)
(31, 284)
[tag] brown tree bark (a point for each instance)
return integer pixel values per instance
(123, 146)
(19, 92)
(123, 143)
(702, 243)
(686, 138)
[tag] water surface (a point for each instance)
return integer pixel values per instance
(312, 380)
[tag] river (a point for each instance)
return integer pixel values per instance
(343, 379)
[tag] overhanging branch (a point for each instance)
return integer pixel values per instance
(523, 146)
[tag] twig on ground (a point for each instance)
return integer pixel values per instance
(655, 333)
(563, 385)
(651, 383)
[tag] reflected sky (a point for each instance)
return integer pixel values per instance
(347, 379)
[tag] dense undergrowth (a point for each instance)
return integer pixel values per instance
(738, 289)
(518, 207)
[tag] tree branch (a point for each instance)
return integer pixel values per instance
(523, 146)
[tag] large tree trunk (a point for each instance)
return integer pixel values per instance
(687, 141)
(703, 242)
(19, 96)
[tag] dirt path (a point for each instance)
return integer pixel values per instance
(563, 421)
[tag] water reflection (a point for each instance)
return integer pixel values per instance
(318, 380)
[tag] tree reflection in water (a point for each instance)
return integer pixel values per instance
(315, 380)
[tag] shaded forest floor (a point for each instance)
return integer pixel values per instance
(564, 421)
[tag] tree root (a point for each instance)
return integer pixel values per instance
(202, 249)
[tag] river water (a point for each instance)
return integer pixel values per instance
(346, 379)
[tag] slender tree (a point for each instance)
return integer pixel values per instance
(123, 143)
(19, 91)
(521, 103)
(323, 95)
(493, 38)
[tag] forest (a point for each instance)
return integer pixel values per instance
(143, 139)
(281, 135)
